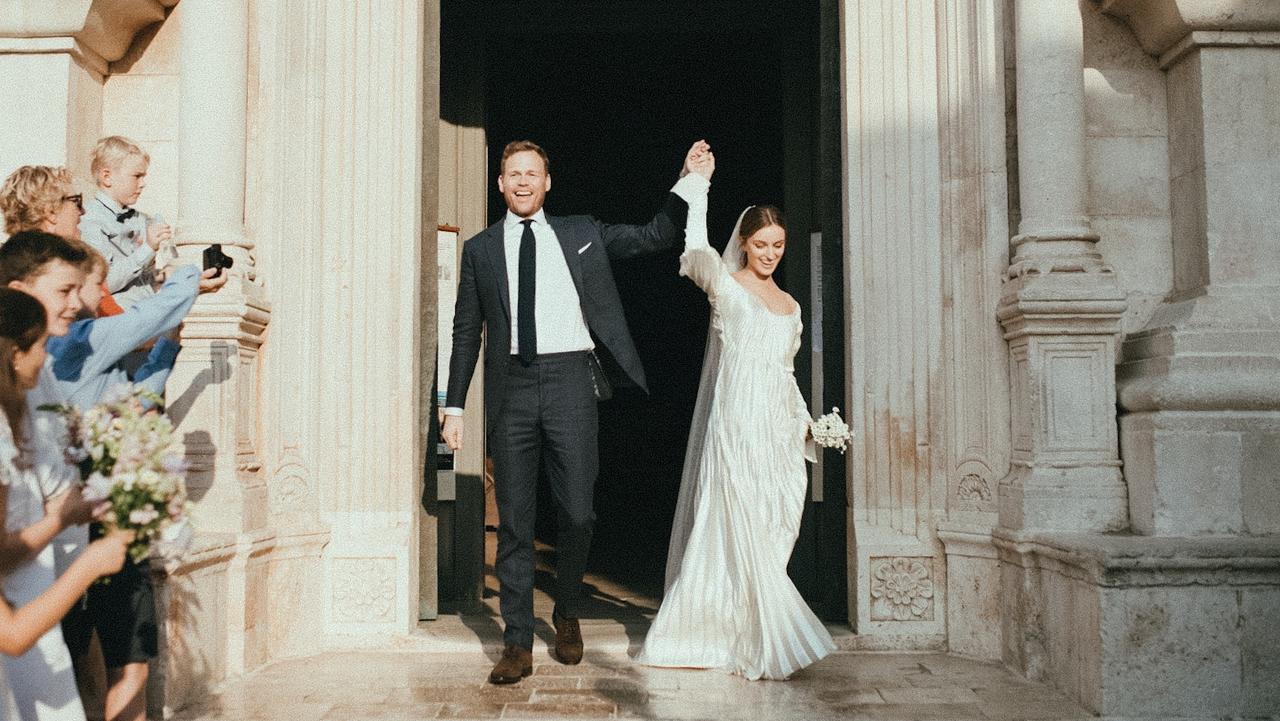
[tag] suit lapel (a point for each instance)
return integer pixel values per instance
(495, 245)
(569, 247)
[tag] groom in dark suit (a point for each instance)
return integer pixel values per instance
(541, 289)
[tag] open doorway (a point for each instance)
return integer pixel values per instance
(616, 92)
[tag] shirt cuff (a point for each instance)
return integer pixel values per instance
(691, 187)
(452, 411)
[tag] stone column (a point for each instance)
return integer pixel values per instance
(212, 105)
(212, 394)
(893, 239)
(1200, 384)
(1061, 305)
(213, 390)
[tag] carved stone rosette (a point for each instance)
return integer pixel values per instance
(901, 589)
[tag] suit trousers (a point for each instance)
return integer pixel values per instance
(548, 418)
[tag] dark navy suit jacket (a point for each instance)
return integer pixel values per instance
(484, 299)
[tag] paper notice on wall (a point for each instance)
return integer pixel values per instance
(815, 291)
(447, 285)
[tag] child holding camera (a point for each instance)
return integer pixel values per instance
(127, 238)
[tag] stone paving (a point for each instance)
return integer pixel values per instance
(402, 685)
(440, 671)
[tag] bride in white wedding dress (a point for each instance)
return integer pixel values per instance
(729, 603)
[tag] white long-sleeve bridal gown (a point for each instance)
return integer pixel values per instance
(729, 603)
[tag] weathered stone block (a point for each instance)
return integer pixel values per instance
(1260, 650)
(1170, 651)
(1193, 473)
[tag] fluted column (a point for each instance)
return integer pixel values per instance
(892, 220)
(1061, 305)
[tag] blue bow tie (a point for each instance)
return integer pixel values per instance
(127, 214)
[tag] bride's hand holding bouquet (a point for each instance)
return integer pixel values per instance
(830, 431)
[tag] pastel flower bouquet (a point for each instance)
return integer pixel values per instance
(126, 452)
(830, 431)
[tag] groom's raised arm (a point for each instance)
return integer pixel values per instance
(667, 226)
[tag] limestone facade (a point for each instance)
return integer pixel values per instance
(1062, 290)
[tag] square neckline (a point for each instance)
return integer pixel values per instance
(795, 310)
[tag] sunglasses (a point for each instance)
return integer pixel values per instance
(78, 199)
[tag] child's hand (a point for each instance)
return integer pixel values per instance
(105, 556)
(71, 509)
(212, 279)
(157, 233)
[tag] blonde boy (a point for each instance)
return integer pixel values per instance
(114, 228)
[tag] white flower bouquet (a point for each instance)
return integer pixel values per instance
(830, 431)
(128, 454)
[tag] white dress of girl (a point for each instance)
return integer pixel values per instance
(41, 681)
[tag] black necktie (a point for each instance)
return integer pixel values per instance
(528, 327)
(127, 214)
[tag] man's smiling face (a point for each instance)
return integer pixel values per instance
(524, 183)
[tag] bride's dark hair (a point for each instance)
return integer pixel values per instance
(757, 217)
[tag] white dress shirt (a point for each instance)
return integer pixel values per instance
(557, 308)
(561, 326)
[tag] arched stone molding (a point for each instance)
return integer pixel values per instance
(1162, 25)
(98, 31)
(55, 56)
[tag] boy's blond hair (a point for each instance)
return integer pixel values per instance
(31, 194)
(111, 150)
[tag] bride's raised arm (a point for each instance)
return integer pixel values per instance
(699, 262)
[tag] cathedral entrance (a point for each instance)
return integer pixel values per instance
(616, 94)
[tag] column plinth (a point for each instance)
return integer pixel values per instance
(1061, 305)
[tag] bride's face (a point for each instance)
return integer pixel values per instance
(764, 250)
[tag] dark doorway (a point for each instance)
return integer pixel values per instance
(616, 92)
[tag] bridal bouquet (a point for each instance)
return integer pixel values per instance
(129, 456)
(830, 431)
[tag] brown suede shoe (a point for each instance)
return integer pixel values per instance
(515, 664)
(568, 648)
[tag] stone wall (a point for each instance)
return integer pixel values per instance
(1127, 155)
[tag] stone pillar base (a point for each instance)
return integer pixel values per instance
(1082, 497)
(1202, 472)
(1145, 628)
(901, 591)
(1061, 326)
(973, 590)
(1201, 438)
